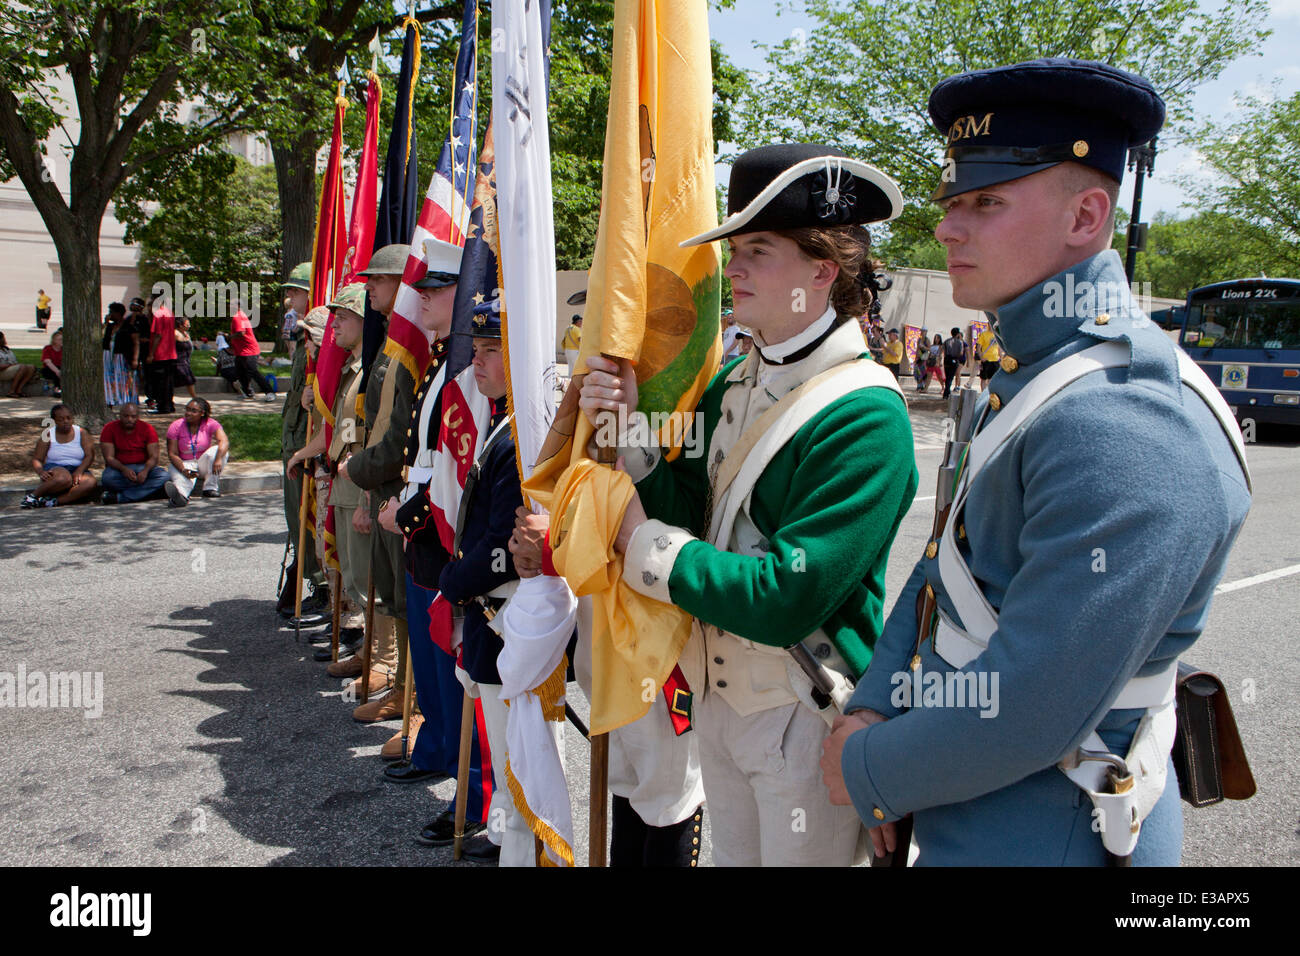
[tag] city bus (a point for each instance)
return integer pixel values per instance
(1245, 335)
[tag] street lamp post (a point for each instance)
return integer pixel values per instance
(1142, 160)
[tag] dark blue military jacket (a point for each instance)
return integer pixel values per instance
(484, 561)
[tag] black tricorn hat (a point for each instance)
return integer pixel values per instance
(800, 185)
(1010, 121)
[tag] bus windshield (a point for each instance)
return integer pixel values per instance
(1245, 324)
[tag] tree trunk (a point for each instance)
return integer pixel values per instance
(83, 358)
(295, 179)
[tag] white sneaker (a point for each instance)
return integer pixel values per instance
(269, 397)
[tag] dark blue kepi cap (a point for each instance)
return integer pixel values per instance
(1011, 121)
(485, 320)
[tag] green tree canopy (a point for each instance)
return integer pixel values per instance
(1251, 166)
(231, 235)
(133, 67)
(862, 78)
(1182, 254)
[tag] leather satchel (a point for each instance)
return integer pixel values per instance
(1208, 754)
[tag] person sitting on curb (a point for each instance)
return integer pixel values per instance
(52, 363)
(130, 450)
(197, 447)
(13, 371)
(62, 462)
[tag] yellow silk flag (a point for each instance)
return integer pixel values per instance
(652, 302)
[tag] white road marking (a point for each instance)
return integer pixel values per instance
(371, 751)
(1258, 579)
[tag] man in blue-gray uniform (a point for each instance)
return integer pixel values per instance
(1019, 703)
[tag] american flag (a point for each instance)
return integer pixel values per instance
(461, 409)
(446, 211)
(396, 218)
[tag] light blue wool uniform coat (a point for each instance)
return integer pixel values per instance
(1126, 460)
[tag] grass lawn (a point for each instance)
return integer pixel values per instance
(201, 363)
(253, 437)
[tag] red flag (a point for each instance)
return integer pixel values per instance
(365, 201)
(359, 238)
(327, 266)
(331, 240)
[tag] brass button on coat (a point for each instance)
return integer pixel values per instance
(1009, 364)
(931, 549)
(878, 813)
(994, 402)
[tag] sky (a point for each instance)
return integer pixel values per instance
(759, 21)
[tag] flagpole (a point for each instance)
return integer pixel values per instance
(462, 772)
(336, 610)
(370, 630)
(408, 691)
(596, 853)
(302, 543)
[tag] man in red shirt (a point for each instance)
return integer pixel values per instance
(162, 354)
(130, 450)
(243, 343)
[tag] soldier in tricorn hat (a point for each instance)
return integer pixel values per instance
(807, 473)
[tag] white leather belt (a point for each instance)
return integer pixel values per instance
(418, 475)
(1122, 791)
(958, 649)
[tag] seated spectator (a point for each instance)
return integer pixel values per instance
(197, 447)
(130, 450)
(12, 371)
(52, 362)
(62, 462)
(227, 367)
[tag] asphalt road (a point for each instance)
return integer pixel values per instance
(222, 743)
